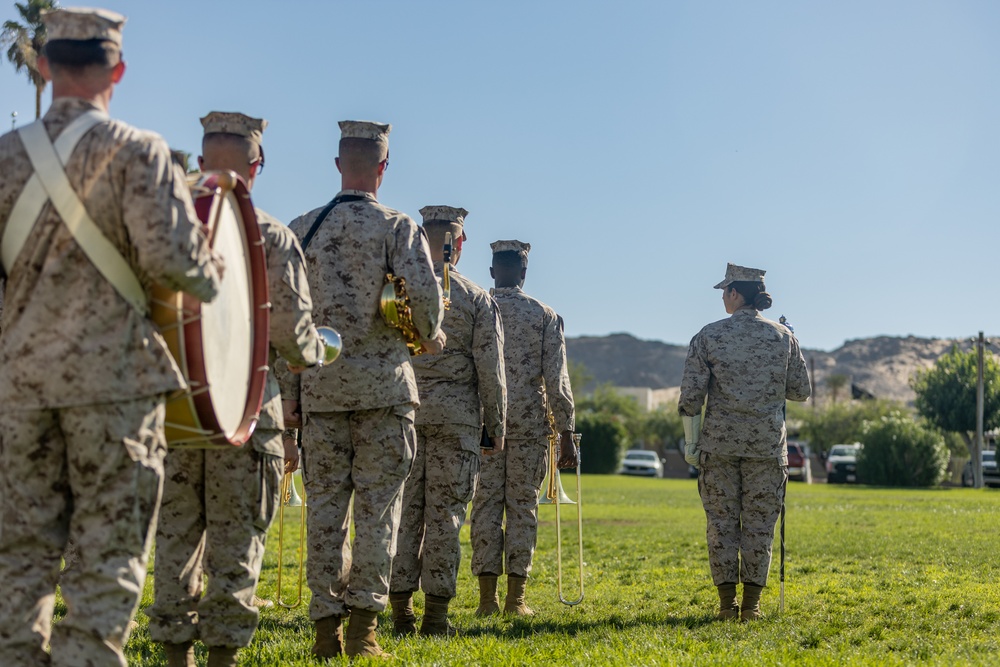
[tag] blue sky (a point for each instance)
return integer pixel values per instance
(849, 148)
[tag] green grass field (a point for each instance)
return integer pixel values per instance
(874, 577)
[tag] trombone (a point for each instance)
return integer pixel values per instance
(287, 492)
(287, 497)
(555, 495)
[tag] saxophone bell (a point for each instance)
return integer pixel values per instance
(394, 305)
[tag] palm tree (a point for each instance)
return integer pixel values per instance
(835, 383)
(24, 42)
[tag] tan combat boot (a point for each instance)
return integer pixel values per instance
(329, 638)
(750, 609)
(404, 621)
(361, 640)
(222, 656)
(489, 603)
(179, 655)
(514, 605)
(435, 623)
(729, 608)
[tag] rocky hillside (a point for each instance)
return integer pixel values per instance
(881, 366)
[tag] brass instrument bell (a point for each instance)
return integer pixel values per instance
(394, 305)
(332, 344)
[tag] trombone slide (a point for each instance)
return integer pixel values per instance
(553, 494)
(286, 493)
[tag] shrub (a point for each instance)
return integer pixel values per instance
(604, 441)
(839, 422)
(899, 451)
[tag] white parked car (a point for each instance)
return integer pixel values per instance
(842, 464)
(642, 462)
(991, 472)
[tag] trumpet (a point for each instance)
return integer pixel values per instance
(555, 495)
(287, 491)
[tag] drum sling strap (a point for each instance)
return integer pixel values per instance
(307, 239)
(49, 183)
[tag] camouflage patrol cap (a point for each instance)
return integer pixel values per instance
(366, 129)
(519, 247)
(736, 273)
(82, 23)
(447, 214)
(232, 122)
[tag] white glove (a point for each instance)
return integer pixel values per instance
(692, 431)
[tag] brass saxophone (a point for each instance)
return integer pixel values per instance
(394, 304)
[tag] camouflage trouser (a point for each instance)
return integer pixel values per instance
(217, 507)
(742, 499)
(508, 482)
(368, 453)
(92, 474)
(435, 497)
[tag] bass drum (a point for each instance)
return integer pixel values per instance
(222, 346)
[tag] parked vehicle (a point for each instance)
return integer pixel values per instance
(799, 468)
(991, 473)
(842, 464)
(642, 462)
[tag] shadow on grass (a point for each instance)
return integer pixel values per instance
(517, 628)
(520, 628)
(274, 623)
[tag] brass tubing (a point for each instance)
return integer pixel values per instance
(554, 487)
(286, 495)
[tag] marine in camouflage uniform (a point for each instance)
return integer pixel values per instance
(358, 414)
(461, 389)
(219, 503)
(83, 372)
(747, 366)
(537, 382)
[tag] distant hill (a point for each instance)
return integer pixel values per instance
(881, 366)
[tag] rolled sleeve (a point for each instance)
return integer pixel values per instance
(487, 352)
(168, 238)
(293, 334)
(797, 385)
(555, 371)
(694, 383)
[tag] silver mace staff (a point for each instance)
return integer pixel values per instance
(781, 530)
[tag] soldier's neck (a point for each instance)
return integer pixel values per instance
(67, 88)
(362, 183)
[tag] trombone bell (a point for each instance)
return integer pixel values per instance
(548, 498)
(293, 499)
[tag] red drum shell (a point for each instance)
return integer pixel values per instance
(207, 416)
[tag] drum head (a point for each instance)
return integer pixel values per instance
(227, 322)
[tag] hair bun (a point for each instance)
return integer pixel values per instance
(762, 301)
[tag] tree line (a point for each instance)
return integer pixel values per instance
(903, 445)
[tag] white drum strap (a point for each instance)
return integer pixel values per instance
(49, 182)
(29, 203)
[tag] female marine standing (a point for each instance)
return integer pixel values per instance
(747, 366)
